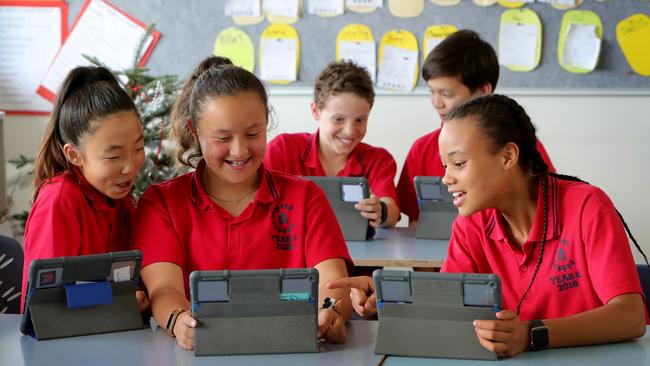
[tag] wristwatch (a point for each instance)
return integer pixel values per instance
(538, 335)
(173, 317)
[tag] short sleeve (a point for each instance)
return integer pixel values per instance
(154, 232)
(459, 258)
(381, 175)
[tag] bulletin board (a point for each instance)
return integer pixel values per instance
(189, 30)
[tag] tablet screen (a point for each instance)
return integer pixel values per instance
(430, 192)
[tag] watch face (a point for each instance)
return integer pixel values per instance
(539, 337)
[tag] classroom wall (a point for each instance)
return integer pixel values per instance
(601, 139)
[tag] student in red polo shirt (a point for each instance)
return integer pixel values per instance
(461, 67)
(343, 97)
(557, 243)
(91, 154)
(231, 212)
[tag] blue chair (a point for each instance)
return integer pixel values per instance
(11, 275)
(644, 277)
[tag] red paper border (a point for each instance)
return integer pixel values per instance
(51, 96)
(64, 28)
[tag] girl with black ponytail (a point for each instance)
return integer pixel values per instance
(91, 153)
(558, 244)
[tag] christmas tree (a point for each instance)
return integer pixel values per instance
(153, 97)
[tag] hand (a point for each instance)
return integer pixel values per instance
(370, 208)
(184, 330)
(331, 326)
(508, 336)
(362, 294)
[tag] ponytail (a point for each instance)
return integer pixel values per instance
(214, 77)
(87, 95)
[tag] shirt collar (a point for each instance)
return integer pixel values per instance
(266, 192)
(495, 227)
(94, 197)
(354, 166)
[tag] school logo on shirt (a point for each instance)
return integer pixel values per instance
(567, 276)
(282, 234)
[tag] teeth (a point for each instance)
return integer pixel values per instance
(456, 194)
(237, 163)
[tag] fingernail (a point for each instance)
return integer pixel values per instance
(193, 323)
(474, 323)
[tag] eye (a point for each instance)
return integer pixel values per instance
(112, 157)
(459, 164)
(253, 134)
(223, 139)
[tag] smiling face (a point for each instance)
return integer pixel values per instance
(475, 176)
(110, 157)
(342, 123)
(448, 92)
(231, 131)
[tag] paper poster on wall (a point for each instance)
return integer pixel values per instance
(326, 8)
(405, 8)
(579, 42)
(485, 3)
(356, 43)
(520, 40)
(279, 54)
(514, 4)
(282, 11)
(245, 12)
(445, 2)
(104, 32)
(363, 6)
(28, 29)
(237, 46)
(433, 36)
(633, 36)
(398, 60)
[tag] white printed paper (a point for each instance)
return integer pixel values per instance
(102, 32)
(329, 7)
(278, 59)
(287, 8)
(242, 8)
(518, 46)
(352, 192)
(377, 3)
(582, 46)
(360, 52)
(122, 274)
(29, 40)
(397, 68)
(432, 42)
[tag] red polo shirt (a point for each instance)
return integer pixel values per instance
(298, 154)
(289, 224)
(424, 159)
(71, 218)
(587, 258)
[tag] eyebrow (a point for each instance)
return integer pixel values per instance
(117, 147)
(254, 125)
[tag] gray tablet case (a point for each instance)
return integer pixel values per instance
(255, 312)
(437, 210)
(430, 314)
(354, 226)
(90, 294)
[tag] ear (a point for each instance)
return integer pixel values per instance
(510, 155)
(485, 89)
(315, 112)
(72, 154)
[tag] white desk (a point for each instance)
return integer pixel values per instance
(397, 247)
(155, 348)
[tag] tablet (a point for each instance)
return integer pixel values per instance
(430, 314)
(255, 311)
(88, 294)
(343, 193)
(437, 210)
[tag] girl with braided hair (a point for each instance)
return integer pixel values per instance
(558, 244)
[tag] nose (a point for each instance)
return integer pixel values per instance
(133, 163)
(436, 101)
(448, 178)
(238, 147)
(349, 128)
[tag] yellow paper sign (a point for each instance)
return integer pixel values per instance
(560, 6)
(360, 8)
(402, 55)
(245, 20)
(237, 46)
(518, 27)
(283, 33)
(433, 36)
(352, 33)
(511, 4)
(633, 36)
(405, 8)
(485, 2)
(274, 18)
(445, 2)
(576, 18)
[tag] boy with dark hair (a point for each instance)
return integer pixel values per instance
(460, 68)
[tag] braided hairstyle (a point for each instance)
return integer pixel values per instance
(504, 121)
